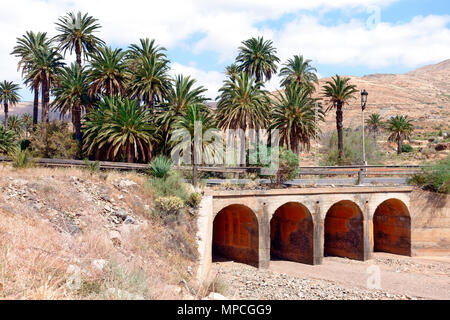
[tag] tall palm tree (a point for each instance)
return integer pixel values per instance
(146, 49)
(27, 123)
(26, 49)
(120, 127)
(76, 33)
(150, 82)
(232, 71)
(258, 58)
(182, 94)
(339, 91)
(243, 104)
(108, 72)
(294, 115)
(9, 96)
(298, 70)
(374, 124)
(71, 94)
(184, 126)
(400, 128)
(44, 68)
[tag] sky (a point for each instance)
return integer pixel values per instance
(346, 37)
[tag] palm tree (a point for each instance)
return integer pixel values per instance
(232, 71)
(298, 70)
(76, 33)
(258, 58)
(108, 72)
(242, 104)
(121, 128)
(400, 128)
(182, 94)
(294, 115)
(27, 123)
(26, 49)
(14, 124)
(339, 92)
(7, 140)
(150, 81)
(374, 124)
(185, 126)
(9, 95)
(71, 94)
(44, 68)
(146, 49)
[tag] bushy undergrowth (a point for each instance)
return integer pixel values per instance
(22, 159)
(353, 151)
(54, 140)
(435, 178)
(160, 167)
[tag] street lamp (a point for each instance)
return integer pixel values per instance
(364, 95)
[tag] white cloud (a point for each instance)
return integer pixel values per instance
(211, 80)
(225, 23)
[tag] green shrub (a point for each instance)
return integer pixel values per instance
(353, 151)
(435, 178)
(288, 166)
(172, 185)
(21, 159)
(169, 208)
(54, 140)
(25, 144)
(160, 167)
(406, 148)
(194, 199)
(92, 166)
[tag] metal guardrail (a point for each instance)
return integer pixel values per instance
(392, 170)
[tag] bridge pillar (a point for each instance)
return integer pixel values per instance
(368, 231)
(318, 236)
(264, 237)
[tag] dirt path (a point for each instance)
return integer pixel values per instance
(419, 277)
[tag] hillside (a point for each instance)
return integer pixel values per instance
(423, 94)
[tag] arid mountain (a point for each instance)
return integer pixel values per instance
(422, 94)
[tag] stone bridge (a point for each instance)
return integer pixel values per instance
(303, 225)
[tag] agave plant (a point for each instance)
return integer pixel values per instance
(160, 167)
(121, 128)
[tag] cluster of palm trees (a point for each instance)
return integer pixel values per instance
(125, 106)
(399, 127)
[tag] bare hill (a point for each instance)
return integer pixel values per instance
(423, 94)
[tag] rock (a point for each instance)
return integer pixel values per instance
(115, 237)
(126, 183)
(130, 220)
(442, 147)
(107, 208)
(121, 214)
(99, 264)
(105, 197)
(120, 197)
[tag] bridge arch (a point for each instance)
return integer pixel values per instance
(292, 233)
(392, 228)
(344, 235)
(236, 234)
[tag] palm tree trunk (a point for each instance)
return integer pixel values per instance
(78, 53)
(45, 100)
(340, 133)
(76, 120)
(399, 145)
(6, 115)
(129, 154)
(35, 106)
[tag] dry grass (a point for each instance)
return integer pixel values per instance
(54, 225)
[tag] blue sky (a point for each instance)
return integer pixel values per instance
(350, 37)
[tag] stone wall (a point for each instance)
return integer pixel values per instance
(430, 213)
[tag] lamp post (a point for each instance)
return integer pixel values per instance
(364, 95)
